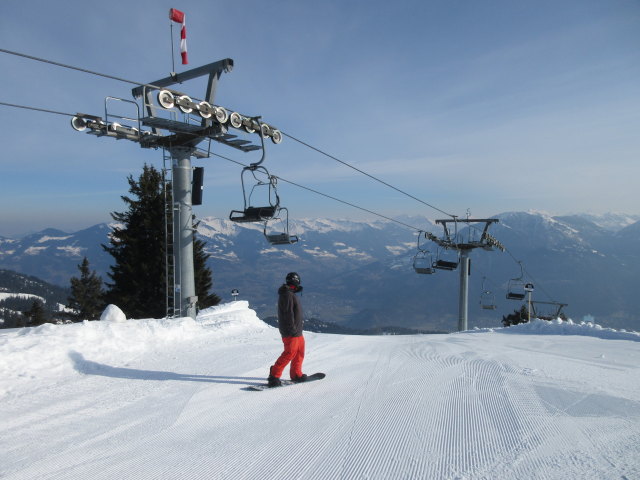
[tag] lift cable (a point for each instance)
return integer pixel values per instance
(71, 67)
(240, 163)
(524, 270)
(367, 174)
(37, 109)
(243, 165)
(528, 274)
(84, 70)
(302, 187)
(328, 196)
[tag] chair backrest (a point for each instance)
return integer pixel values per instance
(281, 239)
(515, 296)
(445, 265)
(253, 214)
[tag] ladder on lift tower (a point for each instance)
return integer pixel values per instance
(172, 304)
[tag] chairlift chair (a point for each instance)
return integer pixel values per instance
(251, 213)
(488, 300)
(283, 237)
(446, 264)
(487, 297)
(423, 261)
(515, 287)
(515, 290)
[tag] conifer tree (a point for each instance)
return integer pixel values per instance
(517, 317)
(138, 246)
(36, 315)
(203, 277)
(87, 294)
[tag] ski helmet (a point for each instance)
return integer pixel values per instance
(293, 279)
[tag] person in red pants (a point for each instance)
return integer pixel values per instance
(290, 323)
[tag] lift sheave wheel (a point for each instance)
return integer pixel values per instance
(221, 114)
(235, 119)
(79, 124)
(205, 110)
(248, 125)
(276, 136)
(166, 99)
(184, 104)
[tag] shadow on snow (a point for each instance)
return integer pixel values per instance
(88, 367)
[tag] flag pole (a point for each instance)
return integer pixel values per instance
(173, 61)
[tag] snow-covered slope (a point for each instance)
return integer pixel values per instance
(166, 399)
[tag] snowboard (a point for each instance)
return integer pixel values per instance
(287, 383)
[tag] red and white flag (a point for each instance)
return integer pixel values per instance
(176, 15)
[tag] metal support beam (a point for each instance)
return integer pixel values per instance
(185, 289)
(463, 304)
(212, 69)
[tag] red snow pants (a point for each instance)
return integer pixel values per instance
(294, 353)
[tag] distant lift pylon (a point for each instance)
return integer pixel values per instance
(453, 240)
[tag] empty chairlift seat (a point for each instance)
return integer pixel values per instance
(515, 295)
(422, 264)
(515, 289)
(253, 214)
(279, 236)
(445, 265)
(265, 190)
(488, 300)
(422, 260)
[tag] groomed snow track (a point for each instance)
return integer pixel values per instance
(486, 405)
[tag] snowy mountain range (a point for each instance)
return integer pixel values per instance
(360, 273)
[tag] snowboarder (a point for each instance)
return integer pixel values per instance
(290, 323)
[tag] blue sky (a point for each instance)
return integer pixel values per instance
(491, 106)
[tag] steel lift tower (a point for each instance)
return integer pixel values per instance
(450, 241)
(178, 128)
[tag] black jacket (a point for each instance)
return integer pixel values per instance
(290, 319)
